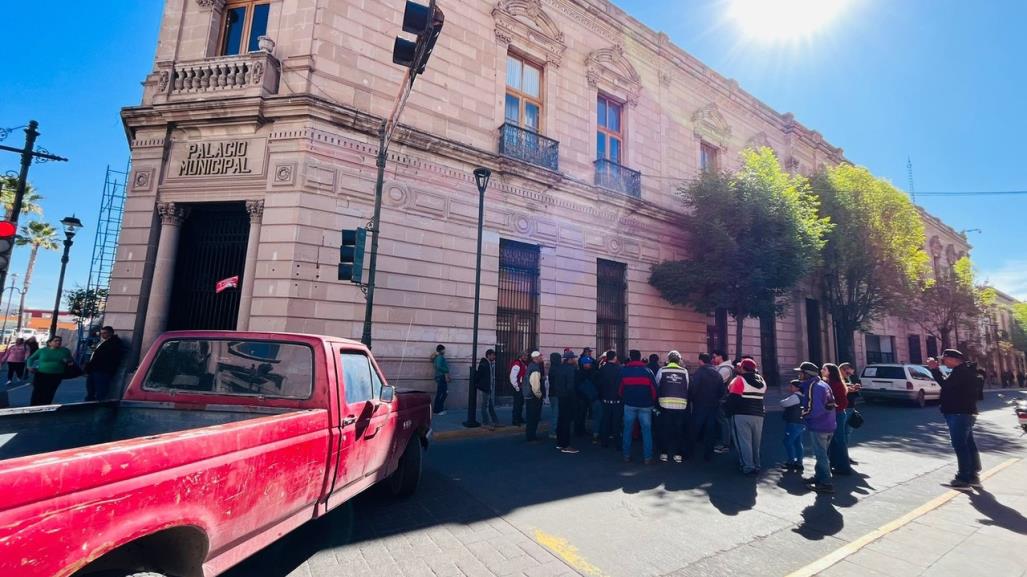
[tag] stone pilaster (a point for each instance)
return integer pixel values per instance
(255, 208)
(171, 215)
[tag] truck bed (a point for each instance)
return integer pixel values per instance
(39, 430)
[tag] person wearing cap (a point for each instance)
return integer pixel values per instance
(818, 412)
(727, 372)
(519, 370)
(562, 380)
(586, 355)
(637, 391)
(706, 390)
(745, 406)
(960, 391)
(608, 382)
(590, 409)
(533, 391)
(485, 382)
(794, 427)
(672, 398)
(838, 451)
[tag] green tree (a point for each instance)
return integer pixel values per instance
(29, 202)
(874, 256)
(85, 304)
(752, 236)
(1019, 332)
(949, 302)
(38, 235)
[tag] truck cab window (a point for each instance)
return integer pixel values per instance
(356, 378)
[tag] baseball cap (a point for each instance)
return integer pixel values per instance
(535, 354)
(808, 367)
(569, 354)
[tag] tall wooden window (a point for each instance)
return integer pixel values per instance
(932, 346)
(245, 22)
(916, 356)
(523, 93)
(708, 157)
(517, 307)
(611, 327)
(609, 130)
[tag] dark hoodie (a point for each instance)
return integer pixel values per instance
(561, 377)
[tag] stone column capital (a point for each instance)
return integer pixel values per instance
(255, 208)
(172, 214)
(217, 5)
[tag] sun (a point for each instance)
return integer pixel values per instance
(785, 20)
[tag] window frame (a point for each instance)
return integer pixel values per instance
(715, 150)
(244, 39)
(522, 96)
(371, 376)
(607, 133)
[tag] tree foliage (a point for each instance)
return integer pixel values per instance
(36, 234)
(949, 302)
(29, 202)
(752, 236)
(1019, 332)
(874, 254)
(85, 304)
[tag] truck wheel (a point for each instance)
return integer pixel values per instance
(921, 399)
(407, 476)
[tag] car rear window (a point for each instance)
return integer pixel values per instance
(884, 373)
(920, 373)
(233, 367)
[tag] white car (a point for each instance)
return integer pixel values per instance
(904, 382)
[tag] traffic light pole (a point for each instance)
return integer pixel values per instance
(373, 229)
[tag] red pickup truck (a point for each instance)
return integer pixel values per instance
(222, 443)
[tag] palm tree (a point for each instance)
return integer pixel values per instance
(39, 235)
(29, 202)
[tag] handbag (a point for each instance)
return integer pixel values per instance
(72, 371)
(856, 420)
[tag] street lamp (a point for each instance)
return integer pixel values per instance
(71, 225)
(481, 179)
(12, 288)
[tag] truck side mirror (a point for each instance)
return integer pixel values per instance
(388, 393)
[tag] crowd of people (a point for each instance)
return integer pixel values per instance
(717, 408)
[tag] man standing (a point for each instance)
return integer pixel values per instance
(533, 392)
(705, 394)
(485, 380)
(819, 413)
(727, 372)
(745, 407)
(654, 363)
(638, 392)
(518, 370)
(438, 360)
(960, 391)
(562, 381)
(608, 383)
(103, 365)
(672, 396)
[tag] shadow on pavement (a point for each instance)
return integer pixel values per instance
(998, 515)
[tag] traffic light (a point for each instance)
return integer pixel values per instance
(351, 255)
(426, 23)
(8, 230)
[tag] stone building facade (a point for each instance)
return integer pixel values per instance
(255, 144)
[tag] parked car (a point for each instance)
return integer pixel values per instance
(903, 382)
(222, 443)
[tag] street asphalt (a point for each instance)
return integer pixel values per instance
(500, 506)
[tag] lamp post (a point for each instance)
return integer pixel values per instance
(71, 225)
(12, 288)
(481, 179)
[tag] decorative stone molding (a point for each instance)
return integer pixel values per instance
(255, 208)
(710, 124)
(142, 180)
(525, 24)
(284, 174)
(611, 69)
(758, 141)
(172, 214)
(215, 4)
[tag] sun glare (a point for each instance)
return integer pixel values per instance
(784, 20)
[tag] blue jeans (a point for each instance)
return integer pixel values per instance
(597, 417)
(793, 442)
(441, 392)
(554, 404)
(961, 432)
(822, 470)
(839, 449)
(644, 416)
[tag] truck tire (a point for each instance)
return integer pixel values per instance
(407, 477)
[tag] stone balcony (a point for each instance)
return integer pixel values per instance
(253, 74)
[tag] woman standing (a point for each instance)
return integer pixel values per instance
(838, 451)
(48, 365)
(15, 357)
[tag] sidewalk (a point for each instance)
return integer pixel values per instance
(978, 533)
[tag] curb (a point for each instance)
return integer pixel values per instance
(484, 432)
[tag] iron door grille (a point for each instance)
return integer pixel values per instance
(768, 349)
(212, 247)
(517, 306)
(611, 283)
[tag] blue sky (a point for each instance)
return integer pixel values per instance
(939, 81)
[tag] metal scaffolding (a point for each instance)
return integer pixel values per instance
(105, 246)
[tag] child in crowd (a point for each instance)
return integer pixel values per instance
(794, 427)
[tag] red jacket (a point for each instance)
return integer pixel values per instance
(840, 395)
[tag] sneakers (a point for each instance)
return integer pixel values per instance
(976, 483)
(678, 459)
(721, 449)
(569, 450)
(823, 489)
(440, 413)
(960, 485)
(663, 457)
(809, 480)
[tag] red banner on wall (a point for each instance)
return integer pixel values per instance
(230, 282)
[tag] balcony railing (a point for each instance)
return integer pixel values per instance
(620, 178)
(253, 74)
(877, 357)
(529, 146)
